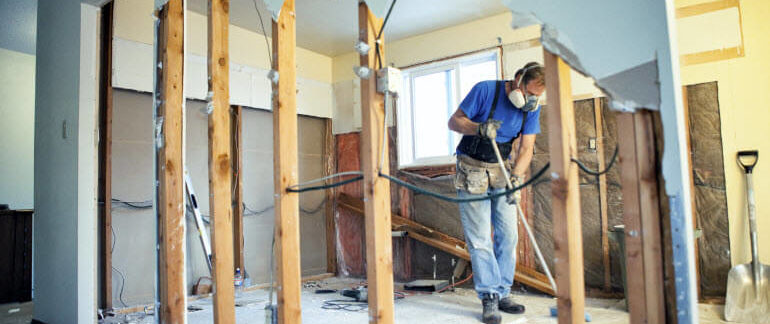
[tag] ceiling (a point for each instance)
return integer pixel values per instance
(329, 27)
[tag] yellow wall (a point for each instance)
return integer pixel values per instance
(463, 38)
(133, 21)
(744, 104)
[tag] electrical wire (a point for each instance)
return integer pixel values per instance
(267, 43)
(379, 35)
(598, 173)
(294, 188)
(122, 276)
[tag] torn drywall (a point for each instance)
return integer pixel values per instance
(274, 6)
(621, 44)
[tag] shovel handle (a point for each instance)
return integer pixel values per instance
(748, 166)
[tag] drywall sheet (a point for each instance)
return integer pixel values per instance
(710, 196)
(723, 28)
(249, 86)
(133, 256)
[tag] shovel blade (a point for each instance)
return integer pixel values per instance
(742, 303)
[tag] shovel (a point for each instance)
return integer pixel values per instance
(748, 285)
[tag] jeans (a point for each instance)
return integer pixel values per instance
(493, 260)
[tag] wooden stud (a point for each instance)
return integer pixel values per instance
(285, 163)
(603, 208)
(568, 245)
(105, 156)
(686, 108)
(329, 168)
(237, 151)
(171, 200)
(379, 248)
(220, 174)
(642, 217)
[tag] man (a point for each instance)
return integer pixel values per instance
(499, 111)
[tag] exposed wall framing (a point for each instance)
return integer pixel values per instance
(644, 259)
(236, 138)
(104, 186)
(285, 163)
(379, 249)
(220, 173)
(170, 169)
(568, 245)
(330, 166)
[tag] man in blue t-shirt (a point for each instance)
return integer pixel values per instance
(499, 111)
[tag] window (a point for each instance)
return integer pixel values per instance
(431, 94)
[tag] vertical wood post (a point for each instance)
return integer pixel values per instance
(170, 168)
(220, 174)
(237, 151)
(105, 156)
(642, 217)
(686, 106)
(379, 249)
(603, 209)
(568, 242)
(286, 172)
(330, 167)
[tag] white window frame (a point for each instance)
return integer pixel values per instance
(405, 113)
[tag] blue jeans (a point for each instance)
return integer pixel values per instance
(493, 262)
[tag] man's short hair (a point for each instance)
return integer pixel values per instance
(532, 71)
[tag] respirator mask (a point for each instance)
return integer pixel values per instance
(530, 103)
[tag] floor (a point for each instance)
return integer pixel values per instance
(460, 306)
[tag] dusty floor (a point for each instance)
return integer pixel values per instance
(460, 306)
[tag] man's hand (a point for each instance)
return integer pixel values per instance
(489, 128)
(515, 197)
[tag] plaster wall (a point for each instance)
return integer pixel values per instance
(17, 87)
(64, 255)
(743, 102)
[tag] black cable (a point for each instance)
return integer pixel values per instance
(133, 204)
(326, 186)
(598, 173)
(379, 35)
(462, 200)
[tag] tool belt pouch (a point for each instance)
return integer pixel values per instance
(476, 177)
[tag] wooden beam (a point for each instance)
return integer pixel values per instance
(568, 242)
(642, 217)
(449, 244)
(603, 204)
(105, 156)
(170, 168)
(286, 172)
(686, 107)
(379, 248)
(220, 173)
(330, 167)
(237, 151)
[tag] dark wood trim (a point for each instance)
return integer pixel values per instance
(104, 186)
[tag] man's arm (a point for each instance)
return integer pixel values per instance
(524, 157)
(460, 123)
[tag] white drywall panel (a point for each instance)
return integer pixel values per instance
(723, 28)
(249, 86)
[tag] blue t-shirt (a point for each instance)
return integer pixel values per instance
(478, 102)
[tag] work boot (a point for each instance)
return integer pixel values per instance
(490, 314)
(509, 306)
